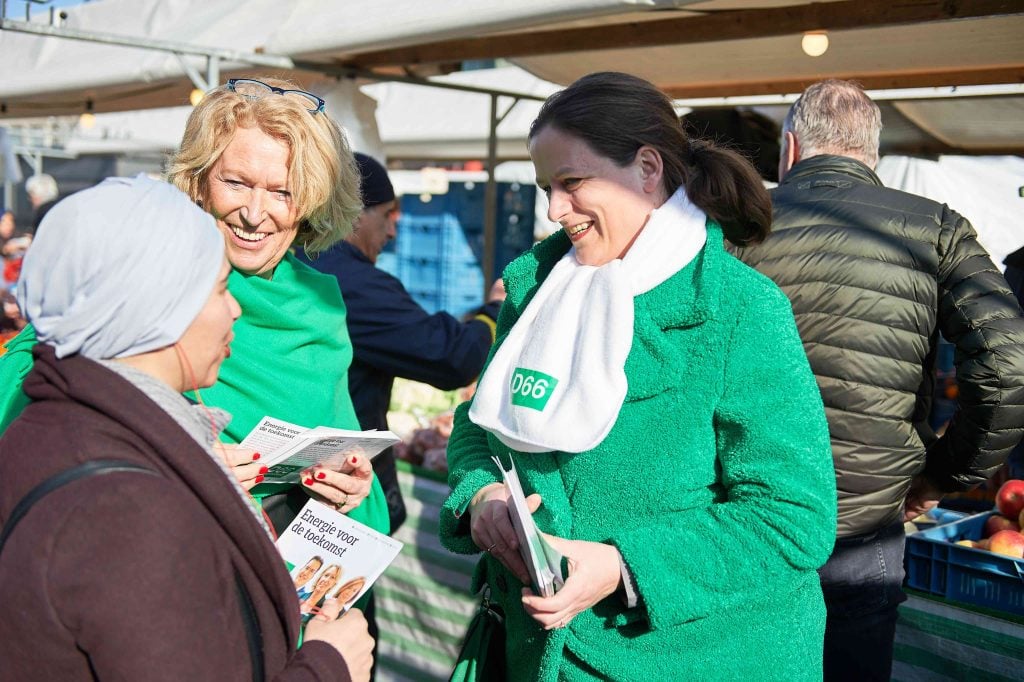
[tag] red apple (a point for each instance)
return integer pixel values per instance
(996, 523)
(1010, 498)
(1008, 542)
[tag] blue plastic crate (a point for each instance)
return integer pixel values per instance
(464, 277)
(934, 564)
(421, 274)
(460, 304)
(421, 237)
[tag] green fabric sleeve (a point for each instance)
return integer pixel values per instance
(776, 520)
(15, 364)
(469, 469)
(469, 459)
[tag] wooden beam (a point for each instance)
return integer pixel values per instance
(711, 26)
(870, 81)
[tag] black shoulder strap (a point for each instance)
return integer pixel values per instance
(102, 466)
(253, 636)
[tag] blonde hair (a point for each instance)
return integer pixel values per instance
(322, 175)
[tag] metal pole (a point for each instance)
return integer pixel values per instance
(212, 72)
(491, 199)
(267, 60)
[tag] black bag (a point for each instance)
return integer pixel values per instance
(482, 658)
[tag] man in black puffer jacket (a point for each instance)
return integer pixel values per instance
(874, 275)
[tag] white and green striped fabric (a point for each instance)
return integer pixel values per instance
(938, 642)
(423, 599)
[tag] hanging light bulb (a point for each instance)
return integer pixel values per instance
(814, 43)
(88, 119)
(196, 96)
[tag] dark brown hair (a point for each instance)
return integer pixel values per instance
(616, 114)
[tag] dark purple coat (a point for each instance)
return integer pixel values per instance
(129, 576)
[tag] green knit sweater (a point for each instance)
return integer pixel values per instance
(716, 485)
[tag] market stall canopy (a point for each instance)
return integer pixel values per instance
(711, 49)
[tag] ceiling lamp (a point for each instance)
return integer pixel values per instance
(814, 43)
(88, 119)
(196, 96)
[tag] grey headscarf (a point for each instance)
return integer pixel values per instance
(119, 269)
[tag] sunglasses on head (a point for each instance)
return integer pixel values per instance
(254, 89)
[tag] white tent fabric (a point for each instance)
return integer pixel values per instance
(354, 112)
(424, 122)
(59, 73)
(984, 189)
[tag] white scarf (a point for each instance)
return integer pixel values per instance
(558, 380)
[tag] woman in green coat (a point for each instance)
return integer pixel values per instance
(655, 399)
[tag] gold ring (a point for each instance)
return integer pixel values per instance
(339, 505)
(493, 545)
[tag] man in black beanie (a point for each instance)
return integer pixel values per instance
(392, 336)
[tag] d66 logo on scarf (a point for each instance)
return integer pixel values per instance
(531, 388)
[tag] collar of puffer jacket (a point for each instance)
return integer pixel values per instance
(830, 163)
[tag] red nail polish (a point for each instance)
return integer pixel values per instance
(355, 458)
(259, 479)
(321, 475)
(308, 481)
(264, 470)
(255, 456)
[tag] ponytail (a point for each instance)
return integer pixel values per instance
(726, 186)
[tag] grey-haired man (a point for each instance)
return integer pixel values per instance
(874, 276)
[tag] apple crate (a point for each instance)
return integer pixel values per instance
(973, 576)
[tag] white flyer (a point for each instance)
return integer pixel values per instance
(330, 555)
(288, 449)
(542, 561)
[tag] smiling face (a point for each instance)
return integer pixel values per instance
(247, 192)
(207, 341)
(307, 571)
(349, 590)
(327, 580)
(601, 206)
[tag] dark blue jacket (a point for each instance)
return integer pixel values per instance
(392, 336)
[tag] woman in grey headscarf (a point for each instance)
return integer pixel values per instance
(126, 286)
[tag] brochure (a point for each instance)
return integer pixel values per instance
(288, 449)
(330, 555)
(542, 561)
